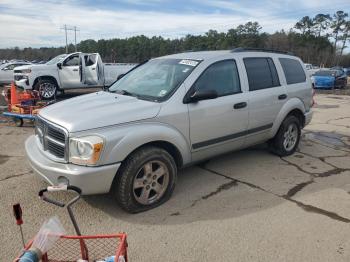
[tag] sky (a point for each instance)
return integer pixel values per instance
(38, 23)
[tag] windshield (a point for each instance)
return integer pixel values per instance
(56, 59)
(325, 73)
(156, 79)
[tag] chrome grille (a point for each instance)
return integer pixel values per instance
(52, 138)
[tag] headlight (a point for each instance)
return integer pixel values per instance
(26, 71)
(85, 150)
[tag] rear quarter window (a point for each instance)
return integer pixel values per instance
(293, 71)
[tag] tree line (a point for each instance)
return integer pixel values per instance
(320, 40)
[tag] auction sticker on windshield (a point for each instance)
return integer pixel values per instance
(188, 62)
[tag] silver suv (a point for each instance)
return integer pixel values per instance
(168, 113)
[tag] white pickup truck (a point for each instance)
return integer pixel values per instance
(68, 71)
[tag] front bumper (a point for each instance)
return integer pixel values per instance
(24, 83)
(91, 180)
(308, 117)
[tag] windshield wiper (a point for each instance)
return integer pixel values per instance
(126, 93)
(123, 92)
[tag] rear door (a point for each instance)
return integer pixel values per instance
(218, 125)
(266, 97)
(92, 70)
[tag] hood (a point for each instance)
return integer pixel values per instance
(32, 67)
(98, 110)
(324, 79)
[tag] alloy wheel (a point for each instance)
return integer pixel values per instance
(290, 137)
(151, 182)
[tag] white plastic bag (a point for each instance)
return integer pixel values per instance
(48, 234)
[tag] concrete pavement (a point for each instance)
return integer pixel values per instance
(244, 206)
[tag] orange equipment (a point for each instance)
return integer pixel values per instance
(22, 105)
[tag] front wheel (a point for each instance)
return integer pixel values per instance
(287, 138)
(47, 89)
(146, 179)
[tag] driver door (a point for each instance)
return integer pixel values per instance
(218, 125)
(70, 72)
(92, 69)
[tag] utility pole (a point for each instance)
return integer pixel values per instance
(75, 29)
(75, 38)
(65, 30)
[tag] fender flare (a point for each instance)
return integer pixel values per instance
(132, 137)
(47, 77)
(292, 104)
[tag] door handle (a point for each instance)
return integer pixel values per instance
(94, 68)
(75, 69)
(283, 96)
(240, 105)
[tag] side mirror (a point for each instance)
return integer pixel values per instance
(59, 65)
(200, 95)
(120, 76)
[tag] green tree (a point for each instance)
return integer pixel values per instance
(304, 25)
(321, 22)
(337, 26)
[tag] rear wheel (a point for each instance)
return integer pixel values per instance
(146, 179)
(287, 138)
(47, 88)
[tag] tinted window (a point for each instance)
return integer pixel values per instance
(221, 77)
(292, 70)
(261, 73)
(72, 61)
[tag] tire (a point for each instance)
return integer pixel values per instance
(47, 89)
(18, 121)
(290, 130)
(139, 185)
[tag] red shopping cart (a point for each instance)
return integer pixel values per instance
(90, 248)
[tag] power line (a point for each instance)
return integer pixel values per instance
(72, 28)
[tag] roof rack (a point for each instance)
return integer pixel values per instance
(247, 49)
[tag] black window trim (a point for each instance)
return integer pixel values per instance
(189, 92)
(265, 57)
(284, 72)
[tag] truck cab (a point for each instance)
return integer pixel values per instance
(68, 71)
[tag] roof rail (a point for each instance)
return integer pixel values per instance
(247, 49)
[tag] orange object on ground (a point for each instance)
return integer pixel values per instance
(14, 98)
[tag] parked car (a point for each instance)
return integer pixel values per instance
(168, 113)
(68, 71)
(311, 69)
(6, 71)
(329, 79)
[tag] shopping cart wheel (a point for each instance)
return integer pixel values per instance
(18, 121)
